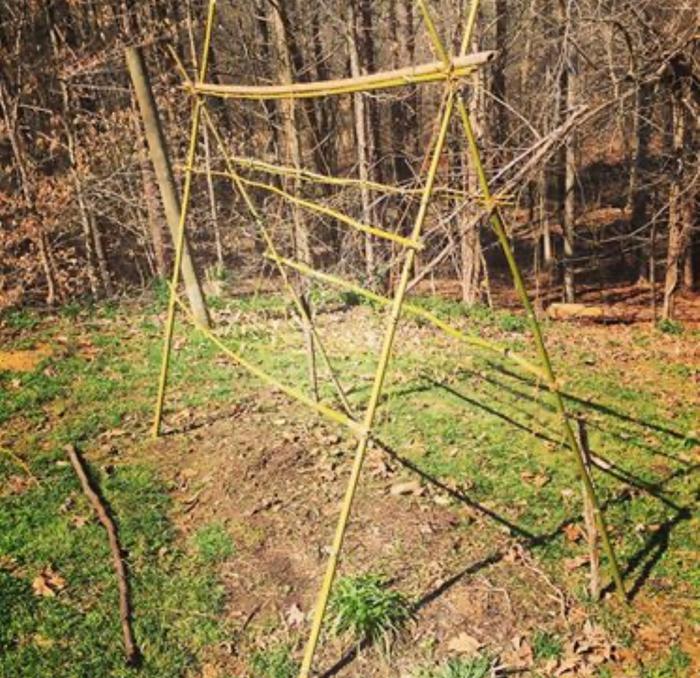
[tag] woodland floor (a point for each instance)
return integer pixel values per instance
(469, 505)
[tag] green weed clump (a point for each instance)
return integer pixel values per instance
(366, 609)
(672, 327)
(275, 662)
(474, 667)
(213, 543)
(546, 645)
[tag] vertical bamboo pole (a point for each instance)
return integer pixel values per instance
(377, 388)
(181, 237)
(499, 228)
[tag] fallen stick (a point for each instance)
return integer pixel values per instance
(130, 649)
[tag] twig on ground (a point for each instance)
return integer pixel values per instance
(130, 648)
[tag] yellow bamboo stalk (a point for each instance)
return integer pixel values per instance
(180, 243)
(335, 214)
(301, 308)
(438, 71)
(498, 225)
(418, 312)
(313, 177)
(378, 385)
(293, 393)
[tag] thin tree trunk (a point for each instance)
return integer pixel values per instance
(568, 93)
(681, 209)
(361, 119)
(37, 232)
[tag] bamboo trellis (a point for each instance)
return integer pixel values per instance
(449, 70)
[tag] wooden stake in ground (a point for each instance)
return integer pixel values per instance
(130, 649)
(589, 514)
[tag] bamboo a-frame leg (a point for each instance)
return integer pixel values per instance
(184, 210)
(378, 385)
(498, 226)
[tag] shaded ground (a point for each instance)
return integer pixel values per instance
(487, 544)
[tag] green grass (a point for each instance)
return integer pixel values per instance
(365, 608)
(213, 543)
(461, 417)
(474, 667)
(274, 662)
(546, 645)
(77, 632)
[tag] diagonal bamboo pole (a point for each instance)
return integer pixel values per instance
(181, 238)
(498, 226)
(335, 214)
(302, 309)
(380, 376)
(293, 393)
(425, 73)
(418, 312)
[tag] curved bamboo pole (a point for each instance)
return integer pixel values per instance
(439, 71)
(498, 226)
(316, 178)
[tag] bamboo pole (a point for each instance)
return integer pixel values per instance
(164, 175)
(307, 175)
(335, 214)
(293, 393)
(498, 225)
(438, 71)
(380, 376)
(422, 313)
(181, 239)
(302, 308)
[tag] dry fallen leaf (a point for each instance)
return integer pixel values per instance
(572, 564)
(573, 532)
(295, 617)
(48, 583)
(464, 644)
(411, 487)
(539, 480)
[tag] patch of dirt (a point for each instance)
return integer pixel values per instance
(276, 483)
(24, 361)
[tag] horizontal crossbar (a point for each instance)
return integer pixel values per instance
(314, 177)
(435, 71)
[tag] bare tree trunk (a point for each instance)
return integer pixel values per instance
(681, 205)
(470, 243)
(361, 119)
(568, 93)
(155, 220)
(498, 82)
(37, 232)
(212, 202)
